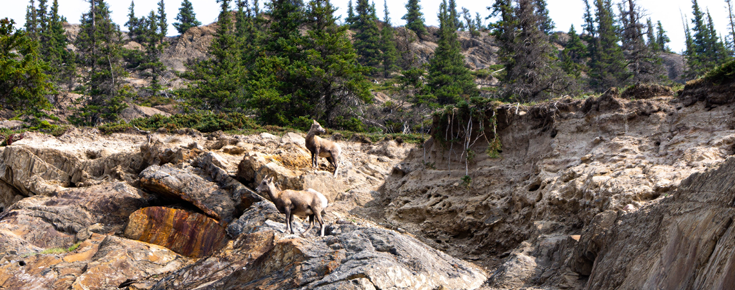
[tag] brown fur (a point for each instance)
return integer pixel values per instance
(308, 203)
(322, 148)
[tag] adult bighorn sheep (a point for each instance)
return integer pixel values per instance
(321, 147)
(309, 203)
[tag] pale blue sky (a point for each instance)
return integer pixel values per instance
(563, 12)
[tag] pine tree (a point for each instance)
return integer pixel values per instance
(23, 83)
(719, 53)
(414, 18)
(469, 22)
(32, 21)
(388, 44)
(162, 22)
(454, 16)
(607, 67)
(574, 53)
(449, 80)
(661, 38)
(367, 37)
(186, 18)
(99, 45)
(531, 71)
(351, 18)
(546, 25)
(135, 25)
(217, 82)
(731, 24)
(650, 36)
(42, 14)
(478, 22)
(643, 61)
(62, 66)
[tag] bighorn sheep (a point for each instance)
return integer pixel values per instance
(309, 203)
(320, 147)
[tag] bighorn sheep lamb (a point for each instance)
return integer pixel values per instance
(309, 203)
(320, 147)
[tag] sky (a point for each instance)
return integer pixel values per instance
(563, 12)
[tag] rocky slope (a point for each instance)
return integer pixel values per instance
(171, 211)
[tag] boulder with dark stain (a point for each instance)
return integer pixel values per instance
(179, 183)
(187, 233)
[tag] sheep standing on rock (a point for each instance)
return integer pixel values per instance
(322, 148)
(309, 203)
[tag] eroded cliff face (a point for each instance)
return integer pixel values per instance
(567, 203)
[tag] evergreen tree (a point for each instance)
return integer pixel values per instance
(546, 25)
(99, 45)
(152, 67)
(162, 22)
(23, 83)
(414, 18)
(469, 22)
(62, 67)
(650, 36)
(661, 38)
(216, 82)
(719, 53)
(643, 61)
(367, 37)
(186, 18)
(574, 53)
(388, 44)
(478, 22)
(531, 72)
(607, 67)
(135, 25)
(449, 80)
(351, 18)
(454, 16)
(42, 14)
(731, 24)
(32, 21)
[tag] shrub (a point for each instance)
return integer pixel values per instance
(722, 74)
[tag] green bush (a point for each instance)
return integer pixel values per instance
(722, 74)
(203, 122)
(351, 124)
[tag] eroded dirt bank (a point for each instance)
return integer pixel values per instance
(596, 194)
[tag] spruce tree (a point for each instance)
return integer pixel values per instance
(454, 16)
(731, 24)
(650, 36)
(661, 38)
(162, 22)
(607, 67)
(351, 18)
(449, 80)
(186, 18)
(23, 83)
(99, 44)
(415, 18)
(546, 25)
(217, 82)
(367, 37)
(478, 22)
(135, 25)
(573, 55)
(32, 21)
(388, 44)
(643, 61)
(469, 22)
(62, 66)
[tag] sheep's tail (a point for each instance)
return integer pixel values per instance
(322, 198)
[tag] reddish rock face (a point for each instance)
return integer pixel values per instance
(190, 234)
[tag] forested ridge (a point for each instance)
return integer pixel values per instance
(293, 61)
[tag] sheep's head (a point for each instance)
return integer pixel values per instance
(317, 128)
(265, 184)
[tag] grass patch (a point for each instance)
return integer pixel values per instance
(57, 251)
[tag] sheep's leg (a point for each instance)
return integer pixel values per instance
(318, 215)
(335, 163)
(311, 224)
(314, 156)
(289, 217)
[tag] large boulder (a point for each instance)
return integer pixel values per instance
(184, 184)
(372, 257)
(190, 234)
(30, 174)
(69, 216)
